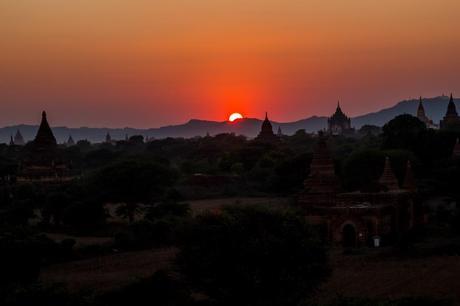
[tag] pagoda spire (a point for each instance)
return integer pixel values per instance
(45, 136)
(70, 141)
(280, 132)
(451, 108)
(388, 178)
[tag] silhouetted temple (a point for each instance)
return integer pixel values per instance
(70, 142)
(266, 132)
(18, 139)
(43, 161)
(358, 218)
(322, 184)
(339, 123)
(388, 180)
(451, 119)
(280, 132)
(421, 115)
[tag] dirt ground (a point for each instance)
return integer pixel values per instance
(394, 277)
(200, 206)
(109, 271)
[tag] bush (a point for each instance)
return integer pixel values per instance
(252, 256)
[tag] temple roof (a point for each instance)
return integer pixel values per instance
(388, 178)
(322, 176)
(266, 125)
(266, 132)
(108, 138)
(45, 137)
(420, 109)
(70, 141)
(18, 139)
(451, 109)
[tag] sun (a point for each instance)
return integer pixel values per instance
(234, 117)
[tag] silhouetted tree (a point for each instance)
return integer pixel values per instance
(253, 256)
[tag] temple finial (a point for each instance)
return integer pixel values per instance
(266, 115)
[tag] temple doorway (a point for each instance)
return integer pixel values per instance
(349, 236)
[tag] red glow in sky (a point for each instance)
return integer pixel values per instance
(146, 63)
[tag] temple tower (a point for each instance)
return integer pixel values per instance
(108, 138)
(266, 132)
(388, 179)
(339, 123)
(451, 118)
(70, 141)
(280, 132)
(322, 178)
(18, 139)
(45, 138)
(421, 115)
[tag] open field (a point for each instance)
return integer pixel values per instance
(371, 276)
(199, 206)
(393, 277)
(109, 271)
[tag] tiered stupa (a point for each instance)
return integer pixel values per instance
(43, 161)
(451, 118)
(339, 123)
(388, 179)
(70, 142)
(266, 132)
(421, 115)
(18, 139)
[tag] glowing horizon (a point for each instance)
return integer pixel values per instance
(115, 63)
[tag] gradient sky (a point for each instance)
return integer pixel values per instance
(144, 63)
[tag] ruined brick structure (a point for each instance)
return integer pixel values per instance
(357, 218)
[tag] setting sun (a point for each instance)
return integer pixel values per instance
(234, 117)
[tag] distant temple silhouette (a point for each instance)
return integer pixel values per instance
(360, 217)
(421, 115)
(108, 138)
(18, 139)
(451, 119)
(280, 132)
(70, 142)
(43, 161)
(266, 132)
(339, 123)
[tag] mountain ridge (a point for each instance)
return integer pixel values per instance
(435, 109)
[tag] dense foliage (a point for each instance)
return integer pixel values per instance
(253, 256)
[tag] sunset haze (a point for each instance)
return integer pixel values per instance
(150, 63)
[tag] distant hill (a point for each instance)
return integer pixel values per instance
(435, 109)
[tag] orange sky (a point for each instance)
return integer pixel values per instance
(144, 63)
